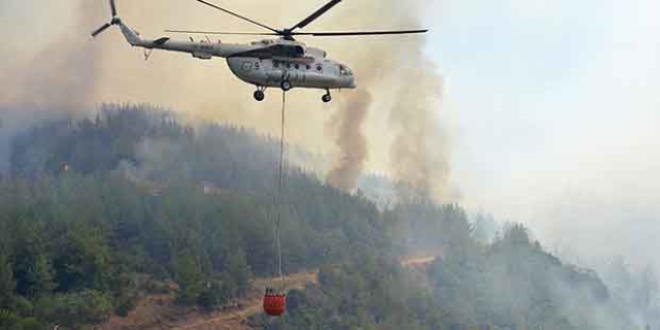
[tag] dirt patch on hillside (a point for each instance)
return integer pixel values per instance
(158, 312)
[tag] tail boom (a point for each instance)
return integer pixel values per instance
(128, 33)
(202, 50)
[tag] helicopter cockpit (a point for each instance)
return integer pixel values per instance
(345, 71)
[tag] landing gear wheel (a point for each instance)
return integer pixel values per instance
(259, 95)
(327, 97)
(286, 85)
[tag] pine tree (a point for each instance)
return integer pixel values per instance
(239, 270)
(43, 269)
(190, 279)
(7, 282)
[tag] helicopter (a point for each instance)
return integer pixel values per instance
(281, 63)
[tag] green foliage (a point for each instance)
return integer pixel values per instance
(22, 306)
(366, 293)
(145, 197)
(7, 283)
(32, 269)
(9, 320)
(190, 277)
(82, 260)
(12, 321)
(217, 292)
(239, 270)
(70, 310)
(31, 323)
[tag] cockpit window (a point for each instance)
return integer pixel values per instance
(345, 71)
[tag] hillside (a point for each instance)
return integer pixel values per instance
(96, 215)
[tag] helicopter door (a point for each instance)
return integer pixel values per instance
(292, 75)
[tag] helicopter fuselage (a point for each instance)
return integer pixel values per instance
(282, 62)
(267, 63)
(305, 73)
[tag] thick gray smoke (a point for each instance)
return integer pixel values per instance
(350, 140)
(71, 73)
(14, 121)
(64, 75)
(400, 73)
(59, 80)
(419, 154)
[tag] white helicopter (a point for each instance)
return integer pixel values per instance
(283, 62)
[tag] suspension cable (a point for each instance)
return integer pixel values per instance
(280, 188)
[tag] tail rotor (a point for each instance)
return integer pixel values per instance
(115, 20)
(114, 8)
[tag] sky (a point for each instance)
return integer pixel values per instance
(555, 111)
(551, 106)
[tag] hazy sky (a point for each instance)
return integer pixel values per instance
(552, 107)
(556, 110)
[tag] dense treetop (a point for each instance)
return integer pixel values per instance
(95, 213)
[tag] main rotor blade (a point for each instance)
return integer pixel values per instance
(113, 6)
(221, 33)
(101, 29)
(240, 16)
(359, 33)
(316, 15)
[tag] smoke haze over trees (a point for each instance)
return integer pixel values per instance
(147, 195)
(144, 201)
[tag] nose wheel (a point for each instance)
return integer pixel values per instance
(327, 97)
(259, 94)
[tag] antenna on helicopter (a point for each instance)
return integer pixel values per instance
(115, 20)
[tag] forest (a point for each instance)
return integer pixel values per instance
(96, 212)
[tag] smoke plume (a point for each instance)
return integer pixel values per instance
(420, 152)
(56, 81)
(402, 76)
(63, 75)
(350, 140)
(418, 155)
(75, 72)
